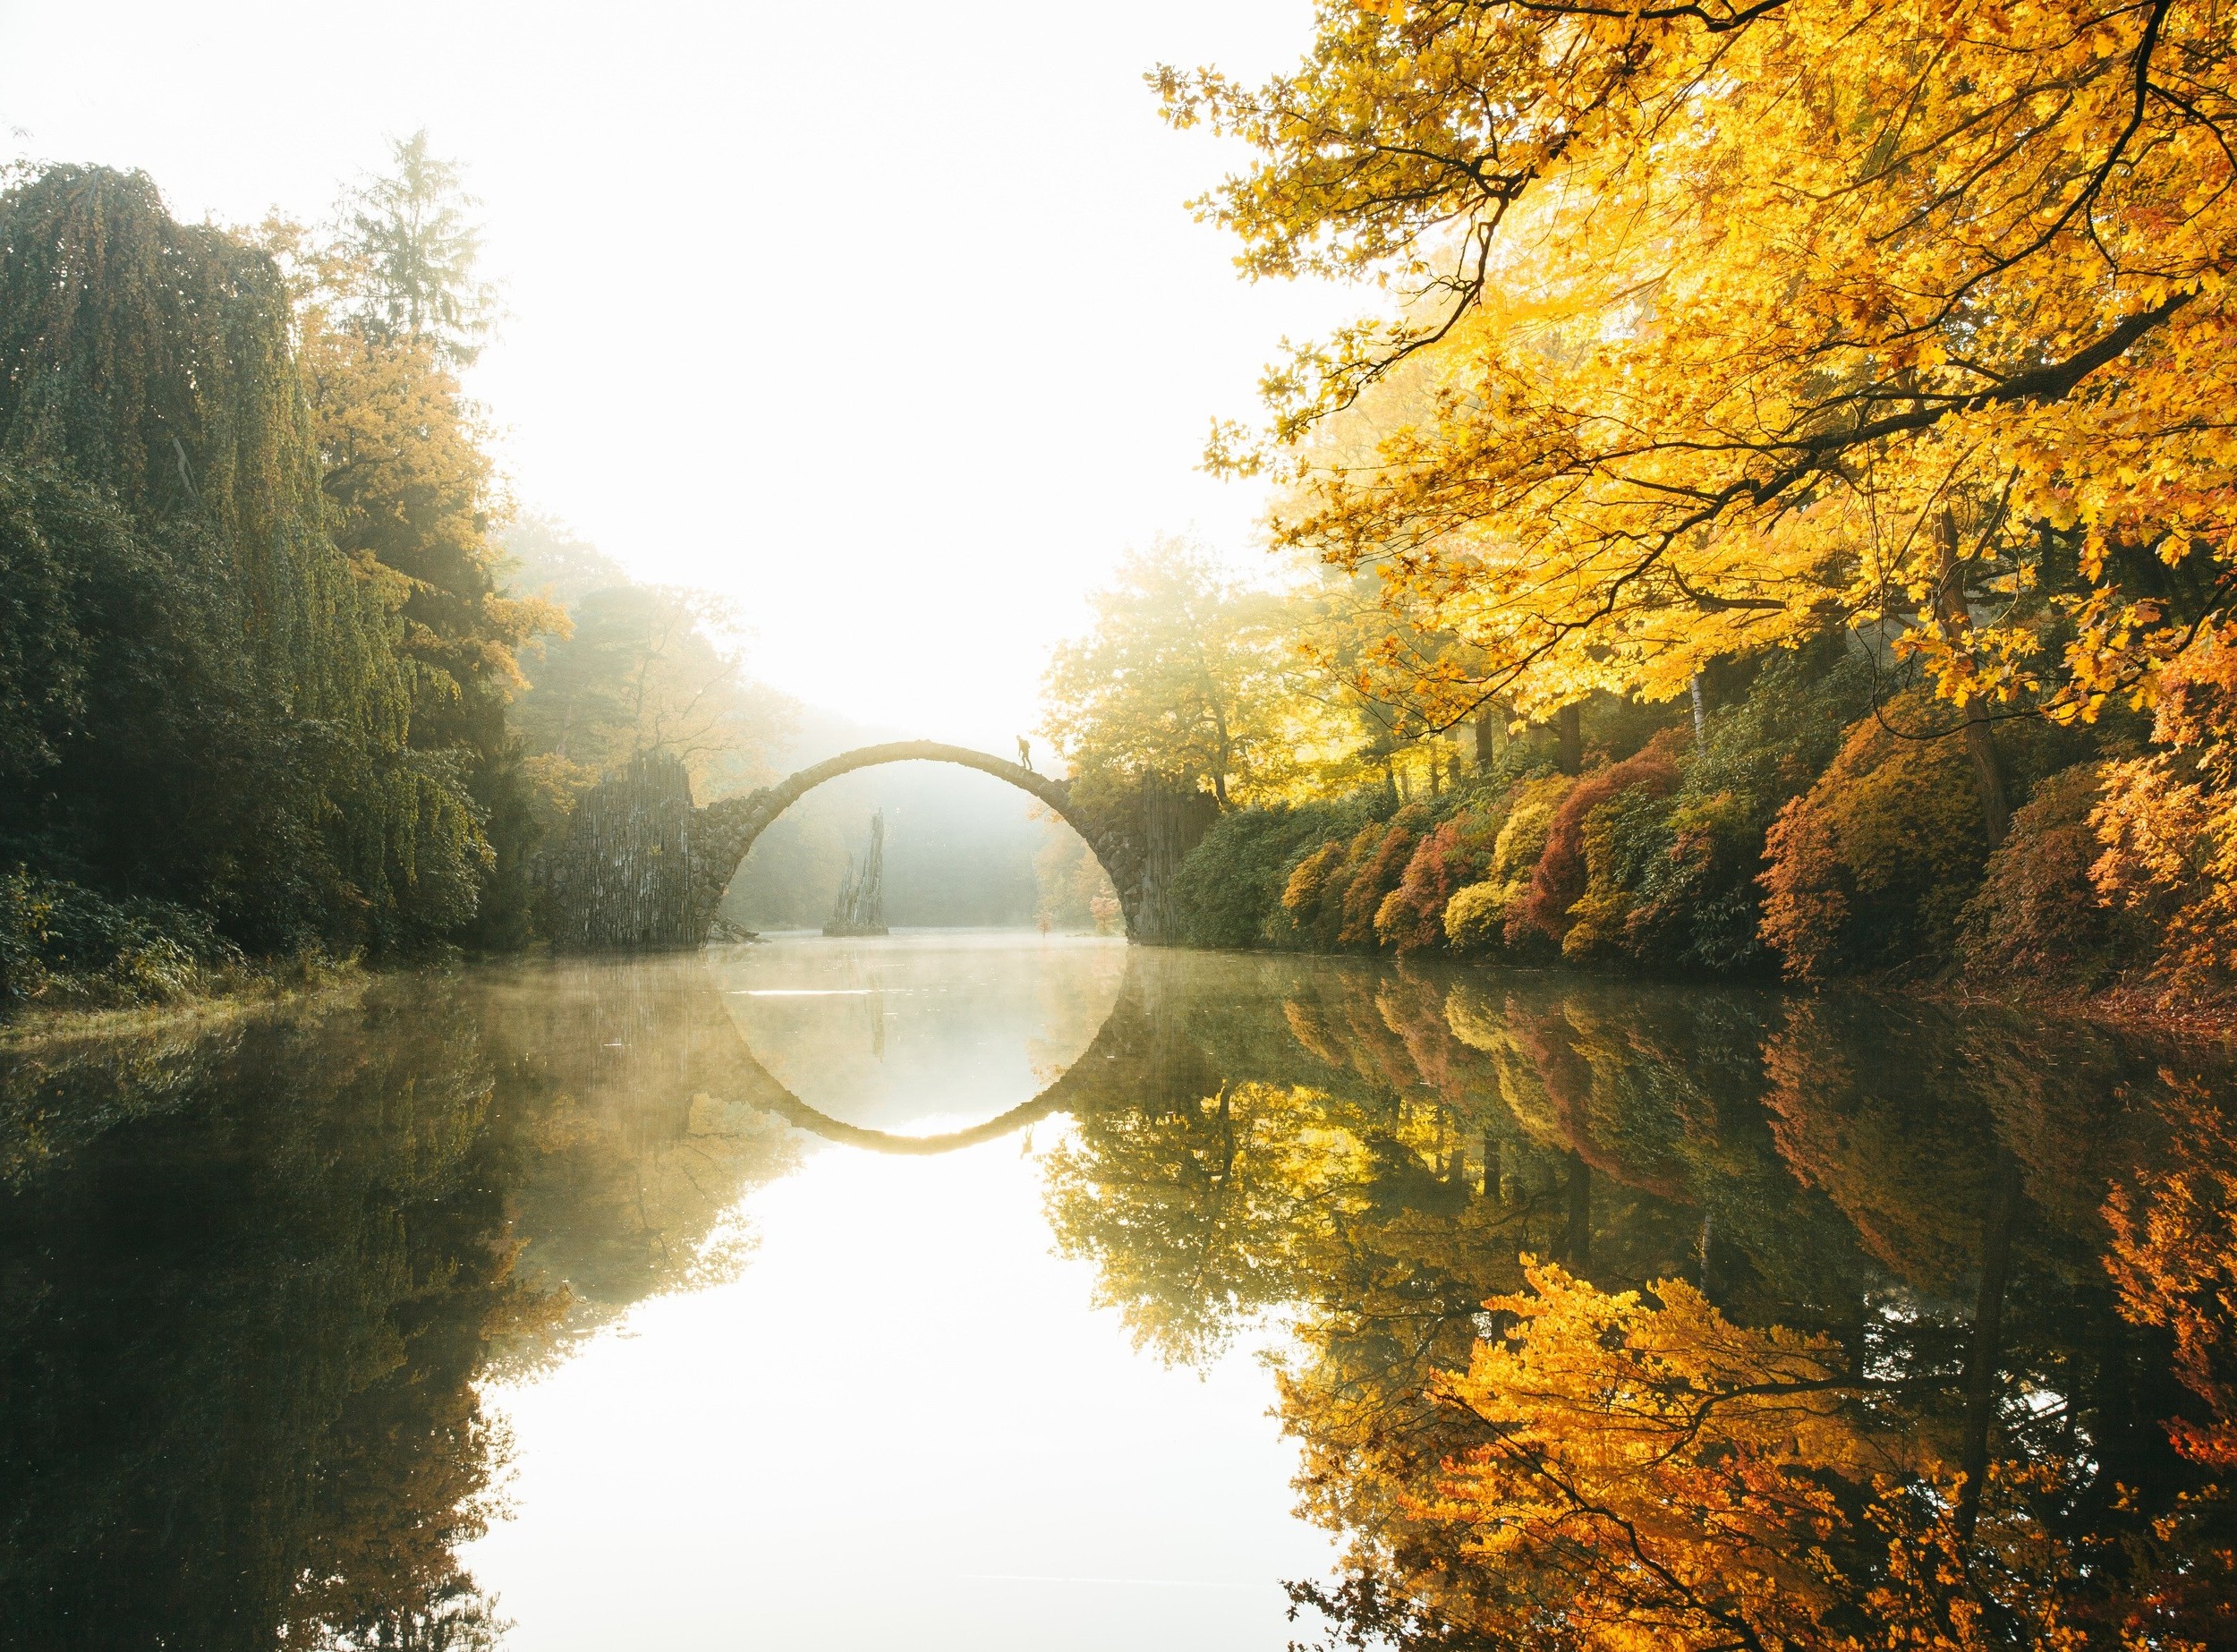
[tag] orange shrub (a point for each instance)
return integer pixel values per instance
(1309, 879)
(2166, 825)
(1377, 876)
(1868, 869)
(1314, 897)
(2037, 915)
(1455, 854)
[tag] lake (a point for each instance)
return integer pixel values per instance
(985, 1290)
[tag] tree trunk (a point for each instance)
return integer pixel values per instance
(1578, 1243)
(1980, 735)
(1486, 731)
(1981, 1363)
(1569, 724)
(1700, 714)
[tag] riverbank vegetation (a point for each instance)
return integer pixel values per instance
(262, 640)
(1767, 532)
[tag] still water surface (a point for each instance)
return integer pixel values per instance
(935, 1291)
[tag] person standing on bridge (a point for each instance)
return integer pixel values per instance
(1024, 755)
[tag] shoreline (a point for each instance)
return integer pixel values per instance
(2131, 1010)
(36, 1025)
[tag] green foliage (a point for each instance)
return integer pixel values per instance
(1655, 860)
(59, 547)
(1625, 840)
(1312, 895)
(1231, 887)
(238, 744)
(1696, 899)
(64, 945)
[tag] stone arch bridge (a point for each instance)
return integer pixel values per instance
(643, 868)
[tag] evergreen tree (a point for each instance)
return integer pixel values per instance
(411, 237)
(391, 306)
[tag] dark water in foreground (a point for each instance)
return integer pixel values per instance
(932, 1293)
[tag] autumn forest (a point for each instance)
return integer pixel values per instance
(1644, 959)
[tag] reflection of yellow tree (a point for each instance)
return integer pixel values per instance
(1899, 1410)
(1389, 1192)
(1214, 1209)
(1614, 1472)
(2174, 1261)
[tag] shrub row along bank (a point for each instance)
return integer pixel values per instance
(1806, 832)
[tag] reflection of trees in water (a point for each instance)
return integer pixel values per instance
(252, 1276)
(633, 1106)
(242, 1312)
(1879, 1380)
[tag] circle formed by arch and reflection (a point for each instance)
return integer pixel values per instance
(920, 1033)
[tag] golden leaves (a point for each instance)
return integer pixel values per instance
(1719, 310)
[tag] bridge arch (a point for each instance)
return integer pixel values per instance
(727, 830)
(643, 869)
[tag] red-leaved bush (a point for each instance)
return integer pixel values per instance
(1377, 876)
(1457, 853)
(2036, 916)
(1557, 880)
(1868, 869)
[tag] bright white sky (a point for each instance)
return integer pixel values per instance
(885, 320)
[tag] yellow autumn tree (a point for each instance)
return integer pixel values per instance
(389, 308)
(1743, 318)
(1187, 674)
